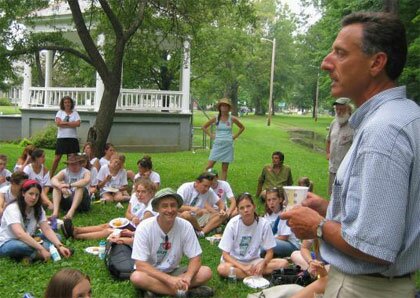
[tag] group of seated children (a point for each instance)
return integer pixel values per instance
(163, 226)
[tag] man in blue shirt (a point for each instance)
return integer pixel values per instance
(371, 232)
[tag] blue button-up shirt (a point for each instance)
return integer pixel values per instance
(376, 194)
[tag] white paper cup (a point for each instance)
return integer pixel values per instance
(295, 194)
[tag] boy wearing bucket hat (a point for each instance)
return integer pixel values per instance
(159, 245)
(222, 150)
(71, 188)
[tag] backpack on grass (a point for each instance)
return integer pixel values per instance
(118, 261)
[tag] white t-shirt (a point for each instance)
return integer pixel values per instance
(138, 208)
(193, 198)
(70, 177)
(116, 181)
(154, 177)
(93, 160)
(282, 228)
(43, 178)
(12, 215)
(103, 162)
(149, 245)
(67, 132)
(5, 173)
(224, 191)
(7, 192)
(243, 242)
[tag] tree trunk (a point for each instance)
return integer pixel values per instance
(232, 93)
(41, 80)
(259, 107)
(98, 134)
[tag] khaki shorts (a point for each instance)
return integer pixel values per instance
(203, 219)
(341, 285)
(178, 271)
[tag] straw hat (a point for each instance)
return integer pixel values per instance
(225, 101)
(74, 159)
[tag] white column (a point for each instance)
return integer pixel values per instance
(27, 83)
(48, 77)
(99, 87)
(185, 78)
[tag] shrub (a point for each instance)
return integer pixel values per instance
(46, 138)
(5, 102)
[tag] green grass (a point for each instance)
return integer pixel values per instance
(252, 150)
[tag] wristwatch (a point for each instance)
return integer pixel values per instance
(319, 228)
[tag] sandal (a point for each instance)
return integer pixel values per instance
(67, 228)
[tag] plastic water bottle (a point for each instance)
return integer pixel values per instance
(101, 250)
(232, 275)
(55, 256)
(28, 295)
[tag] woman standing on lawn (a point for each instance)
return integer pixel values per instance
(19, 224)
(222, 150)
(241, 241)
(67, 120)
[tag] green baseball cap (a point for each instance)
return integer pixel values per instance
(164, 193)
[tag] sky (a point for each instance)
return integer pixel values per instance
(296, 7)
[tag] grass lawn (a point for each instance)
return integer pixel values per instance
(7, 110)
(252, 151)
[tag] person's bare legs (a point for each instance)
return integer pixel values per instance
(187, 216)
(214, 222)
(107, 196)
(225, 167)
(297, 258)
(92, 232)
(54, 166)
(77, 199)
(56, 202)
(224, 268)
(121, 196)
(145, 282)
(317, 286)
(45, 200)
(210, 164)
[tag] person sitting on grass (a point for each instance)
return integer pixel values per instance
(286, 241)
(241, 242)
(37, 170)
(19, 224)
(112, 181)
(224, 192)
(24, 159)
(109, 150)
(70, 191)
(9, 193)
(145, 170)
(199, 200)
(88, 149)
(93, 184)
(145, 190)
(4, 173)
(159, 245)
(69, 283)
(305, 181)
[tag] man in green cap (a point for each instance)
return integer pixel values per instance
(159, 245)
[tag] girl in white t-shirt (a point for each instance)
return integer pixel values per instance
(24, 159)
(67, 121)
(241, 242)
(286, 241)
(112, 181)
(9, 193)
(145, 190)
(4, 173)
(109, 150)
(36, 170)
(88, 149)
(19, 224)
(145, 170)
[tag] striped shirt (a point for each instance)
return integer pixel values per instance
(376, 194)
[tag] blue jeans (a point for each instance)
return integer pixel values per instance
(282, 249)
(17, 249)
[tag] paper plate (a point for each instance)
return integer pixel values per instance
(256, 282)
(110, 189)
(118, 223)
(94, 250)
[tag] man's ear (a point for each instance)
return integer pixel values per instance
(378, 63)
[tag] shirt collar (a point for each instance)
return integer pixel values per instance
(373, 103)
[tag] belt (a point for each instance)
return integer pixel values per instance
(380, 275)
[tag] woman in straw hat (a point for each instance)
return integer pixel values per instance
(222, 150)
